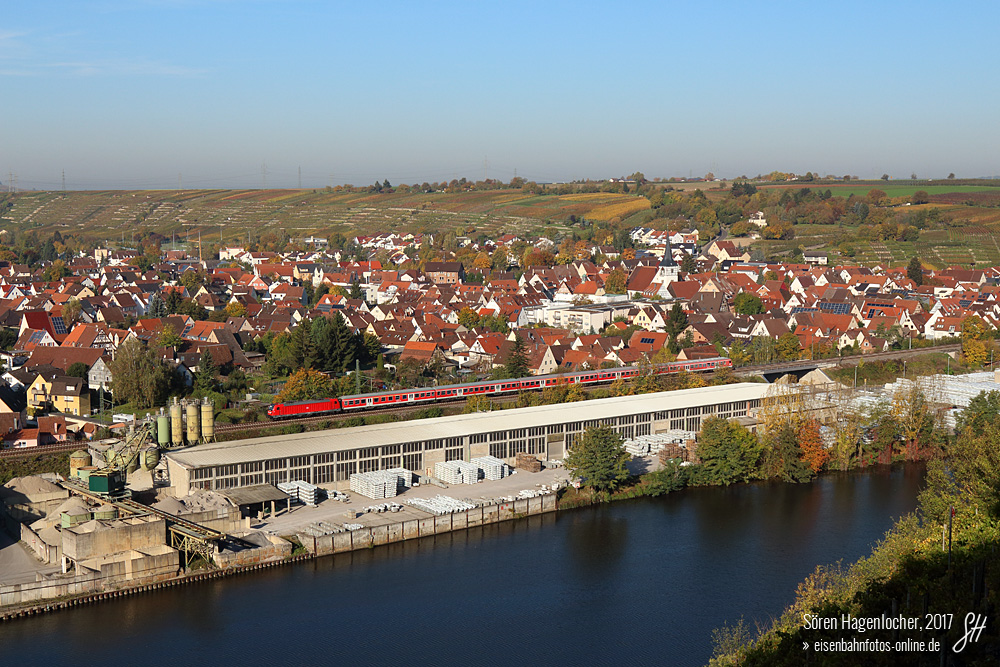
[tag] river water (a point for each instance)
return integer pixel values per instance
(640, 582)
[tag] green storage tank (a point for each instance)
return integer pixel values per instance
(162, 429)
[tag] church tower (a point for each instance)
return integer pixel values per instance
(668, 271)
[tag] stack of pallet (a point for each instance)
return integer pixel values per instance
(378, 484)
(405, 477)
(308, 493)
(493, 468)
(301, 491)
(448, 472)
(470, 472)
(525, 461)
(684, 452)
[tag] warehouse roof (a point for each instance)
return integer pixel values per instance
(251, 495)
(319, 442)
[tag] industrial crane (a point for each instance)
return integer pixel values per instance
(110, 480)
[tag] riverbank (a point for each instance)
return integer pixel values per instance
(941, 562)
(382, 528)
(641, 581)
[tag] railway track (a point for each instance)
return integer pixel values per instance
(256, 427)
(55, 448)
(251, 429)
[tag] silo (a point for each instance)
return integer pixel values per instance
(162, 430)
(193, 431)
(207, 420)
(79, 459)
(176, 427)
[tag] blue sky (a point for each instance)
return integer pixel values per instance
(129, 94)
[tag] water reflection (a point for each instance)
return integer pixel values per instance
(641, 582)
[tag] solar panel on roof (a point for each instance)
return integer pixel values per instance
(835, 308)
(36, 336)
(646, 341)
(58, 325)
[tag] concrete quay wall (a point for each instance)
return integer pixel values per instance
(372, 536)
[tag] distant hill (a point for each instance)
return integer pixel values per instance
(114, 214)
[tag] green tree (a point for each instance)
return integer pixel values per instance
(677, 320)
(156, 306)
(205, 378)
(671, 477)
(920, 197)
(748, 303)
(729, 452)
(790, 464)
(599, 459)
(371, 347)
(517, 361)
(77, 369)
(915, 270)
(688, 263)
(356, 292)
(138, 375)
(982, 411)
(304, 348)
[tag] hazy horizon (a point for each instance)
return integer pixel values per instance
(218, 94)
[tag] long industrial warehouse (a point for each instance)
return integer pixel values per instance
(548, 432)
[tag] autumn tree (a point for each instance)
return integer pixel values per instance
(599, 459)
(920, 197)
(911, 412)
(71, 312)
(235, 309)
(976, 343)
(482, 262)
(813, 452)
(468, 318)
(616, 282)
(877, 197)
(306, 384)
(787, 347)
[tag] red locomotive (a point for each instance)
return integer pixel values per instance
(482, 388)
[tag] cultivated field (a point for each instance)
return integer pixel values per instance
(233, 213)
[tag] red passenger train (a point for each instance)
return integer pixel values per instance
(483, 388)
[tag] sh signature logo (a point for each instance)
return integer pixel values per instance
(974, 626)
